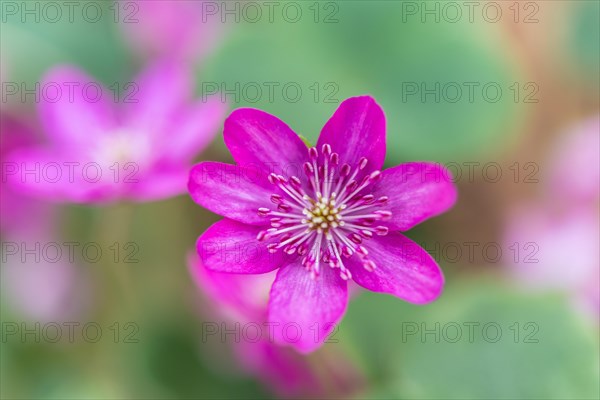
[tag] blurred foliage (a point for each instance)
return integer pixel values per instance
(550, 354)
(368, 51)
(31, 47)
(584, 39)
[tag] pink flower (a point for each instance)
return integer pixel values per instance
(181, 30)
(243, 299)
(559, 252)
(15, 209)
(575, 166)
(98, 153)
(555, 243)
(327, 215)
(36, 282)
(42, 290)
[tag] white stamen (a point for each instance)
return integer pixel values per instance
(339, 213)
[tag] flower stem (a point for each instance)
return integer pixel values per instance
(114, 225)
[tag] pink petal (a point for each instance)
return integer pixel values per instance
(14, 208)
(403, 269)
(155, 96)
(282, 369)
(182, 30)
(231, 191)
(229, 246)
(256, 138)
(61, 176)
(416, 191)
(541, 241)
(194, 130)
(356, 130)
(243, 296)
(158, 184)
(55, 176)
(74, 108)
(574, 170)
(303, 311)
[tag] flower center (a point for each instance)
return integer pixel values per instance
(325, 217)
(121, 146)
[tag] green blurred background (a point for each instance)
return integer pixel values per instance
(367, 47)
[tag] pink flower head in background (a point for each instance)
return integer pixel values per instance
(182, 30)
(330, 216)
(16, 210)
(556, 252)
(98, 152)
(36, 282)
(558, 241)
(575, 166)
(244, 299)
(42, 290)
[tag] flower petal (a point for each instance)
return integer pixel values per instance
(403, 269)
(304, 311)
(356, 130)
(232, 247)
(416, 191)
(194, 130)
(78, 111)
(57, 176)
(243, 296)
(255, 137)
(155, 96)
(180, 30)
(231, 191)
(288, 374)
(161, 183)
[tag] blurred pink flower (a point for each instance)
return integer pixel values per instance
(141, 151)
(43, 291)
(15, 209)
(557, 252)
(244, 299)
(39, 281)
(32, 286)
(181, 30)
(321, 221)
(555, 243)
(575, 167)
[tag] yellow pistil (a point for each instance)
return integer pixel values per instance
(323, 215)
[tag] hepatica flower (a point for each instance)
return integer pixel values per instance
(104, 147)
(322, 216)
